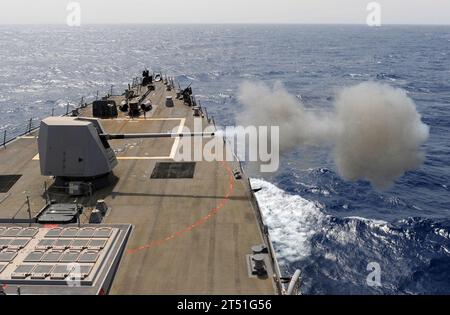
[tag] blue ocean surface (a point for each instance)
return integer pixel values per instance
(329, 228)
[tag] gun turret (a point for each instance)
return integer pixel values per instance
(78, 148)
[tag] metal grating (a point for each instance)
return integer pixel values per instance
(7, 181)
(164, 170)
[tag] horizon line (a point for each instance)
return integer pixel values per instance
(229, 23)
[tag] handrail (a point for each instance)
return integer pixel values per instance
(11, 133)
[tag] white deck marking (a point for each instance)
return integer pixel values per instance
(177, 140)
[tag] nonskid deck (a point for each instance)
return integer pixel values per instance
(189, 236)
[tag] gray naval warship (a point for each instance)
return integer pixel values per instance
(93, 202)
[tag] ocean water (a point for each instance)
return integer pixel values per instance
(329, 228)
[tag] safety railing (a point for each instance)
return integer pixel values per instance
(14, 131)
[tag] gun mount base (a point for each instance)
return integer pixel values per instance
(84, 186)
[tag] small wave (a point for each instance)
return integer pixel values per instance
(355, 75)
(292, 220)
(389, 76)
(333, 252)
(372, 222)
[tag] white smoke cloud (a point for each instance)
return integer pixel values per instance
(375, 131)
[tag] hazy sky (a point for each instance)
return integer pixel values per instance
(225, 11)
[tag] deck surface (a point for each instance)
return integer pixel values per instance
(190, 236)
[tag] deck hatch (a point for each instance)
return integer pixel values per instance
(41, 271)
(4, 242)
(7, 256)
(97, 244)
(69, 232)
(62, 243)
(35, 256)
(56, 232)
(60, 213)
(7, 181)
(79, 244)
(102, 232)
(70, 256)
(22, 271)
(52, 256)
(18, 243)
(86, 232)
(83, 271)
(164, 170)
(61, 271)
(88, 257)
(45, 244)
(12, 232)
(28, 232)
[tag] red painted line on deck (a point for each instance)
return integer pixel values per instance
(197, 223)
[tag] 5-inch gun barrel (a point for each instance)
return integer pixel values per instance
(112, 136)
